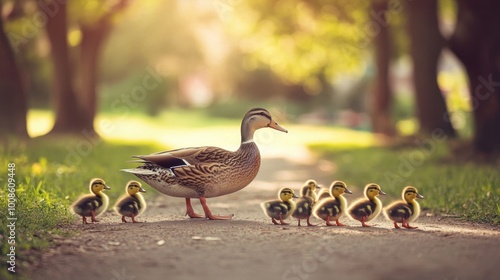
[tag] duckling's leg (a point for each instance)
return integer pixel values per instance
(190, 211)
(134, 220)
(281, 220)
(340, 224)
(396, 225)
(363, 220)
(123, 219)
(84, 220)
(208, 213)
(92, 217)
(328, 221)
(298, 222)
(407, 225)
(309, 223)
(274, 221)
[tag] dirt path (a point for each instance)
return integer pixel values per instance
(168, 246)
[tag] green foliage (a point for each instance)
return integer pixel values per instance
(49, 176)
(467, 190)
(302, 39)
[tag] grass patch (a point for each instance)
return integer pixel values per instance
(467, 190)
(49, 176)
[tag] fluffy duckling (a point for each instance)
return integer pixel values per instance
(93, 204)
(367, 209)
(132, 204)
(304, 204)
(280, 208)
(332, 208)
(309, 189)
(404, 211)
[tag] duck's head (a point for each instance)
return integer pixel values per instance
(312, 184)
(411, 193)
(255, 119)
(97, 185)
(372, 190)
(286, 194)
(338, 188)
(134, 187)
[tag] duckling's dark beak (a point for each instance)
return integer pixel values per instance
(318, 186)
(295, 196)
(419, 195)
(142, 190)
(381, 192)
(276, 126)
(106, 187)
(348, 190)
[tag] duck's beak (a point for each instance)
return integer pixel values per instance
(142, 190)
(419, 195)
(106, 187)
(348, 190)
(276, 126)
(295, 196)
(381, 192)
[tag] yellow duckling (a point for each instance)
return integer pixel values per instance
(367, 209)
(93, 204)
(132, 204)
(280, 208)
(332, 208)
(404, 211)
(304, 204)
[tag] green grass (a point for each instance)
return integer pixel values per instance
(50, 174)
(468, 190)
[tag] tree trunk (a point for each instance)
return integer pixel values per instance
(476, 42)
(69, 114)
(382, 92)
(13, 107)
(426, 45)
(93, 36)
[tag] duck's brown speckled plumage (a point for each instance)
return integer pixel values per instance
(212, 171)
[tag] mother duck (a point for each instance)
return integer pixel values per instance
(204, 172)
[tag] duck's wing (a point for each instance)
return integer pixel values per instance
(186, 157)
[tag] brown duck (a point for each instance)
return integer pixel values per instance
(205, 172)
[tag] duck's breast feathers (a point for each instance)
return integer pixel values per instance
(186, 156)
(398, 211)
(274, 208)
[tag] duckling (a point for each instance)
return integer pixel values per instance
(367, 209)
(304, 204)
(93, 204)
(132, 204)
(309, 189)
(404, 211)
(280, 208)
(332, 208)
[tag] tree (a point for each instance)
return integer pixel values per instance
(426, 45)
(382, 92)
(13, 107)
(476, 42)
(69, 114)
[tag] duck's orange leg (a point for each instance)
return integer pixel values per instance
(363, 222)
(282, 222)
(208, 213)
(190, 211)
(93, 219)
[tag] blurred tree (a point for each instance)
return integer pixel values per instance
(70, 116)
(13, 107)
(76, 105)
(426, 44)
(476, 42)
(382, 93)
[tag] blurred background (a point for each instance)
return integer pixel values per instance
(393, 67)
